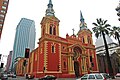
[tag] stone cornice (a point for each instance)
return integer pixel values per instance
(49, 19)
(53, 38)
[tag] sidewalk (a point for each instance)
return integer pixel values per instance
(66, 79)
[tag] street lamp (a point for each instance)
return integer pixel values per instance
(103, 55)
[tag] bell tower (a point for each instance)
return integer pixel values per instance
(49, 23)
(84, 33)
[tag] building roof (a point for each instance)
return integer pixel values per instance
(99, 41)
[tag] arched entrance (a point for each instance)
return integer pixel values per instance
(76, 55)
(76, 68)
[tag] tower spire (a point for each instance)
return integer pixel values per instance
(49, 10)
(83, 25)
(50, 5)
(81, 17)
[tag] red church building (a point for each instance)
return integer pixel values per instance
(72, 56)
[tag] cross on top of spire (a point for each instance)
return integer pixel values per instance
(73, 30)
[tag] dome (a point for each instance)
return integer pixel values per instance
(99, 41)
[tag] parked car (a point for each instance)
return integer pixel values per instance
(48, 77)
(12, 75)
(117, 75)
(93, 76)
(106, 76)
(3, 76)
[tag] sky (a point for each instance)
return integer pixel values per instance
(67, 11)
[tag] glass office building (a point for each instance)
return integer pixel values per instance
(24, 38)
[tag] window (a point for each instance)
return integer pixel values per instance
(54, 31)
(83, 40)
(64, 64)
(90, 58)
(5, 3)
(52, 49)
(91, 77)
(98, 76)
(2, 11)
(1, 15)
(1, 20)
(89, 41)
(92, 64)
(63, 47)
(0, 24)
(3, 7)
(50, 29)
(84, 77)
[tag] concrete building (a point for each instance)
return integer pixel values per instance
(3, 11)
(101, 56)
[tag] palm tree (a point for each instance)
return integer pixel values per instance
(115, 33)
(103, 29)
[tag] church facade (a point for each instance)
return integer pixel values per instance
(72, 56)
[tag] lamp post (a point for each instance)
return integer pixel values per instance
(104, 62)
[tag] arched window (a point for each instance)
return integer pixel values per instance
(54, 31)
(90, 58)
(53, 49)
(83, 40)
(64, 64)
(50, 29)
(89, 41)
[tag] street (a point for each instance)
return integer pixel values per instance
(19, 78)
(23, 78)
(118, 78)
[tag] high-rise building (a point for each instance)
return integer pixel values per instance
(24, 38)
(9, 61)
(3, 11)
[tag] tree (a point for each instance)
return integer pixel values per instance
(115, 33)
(102, 29)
